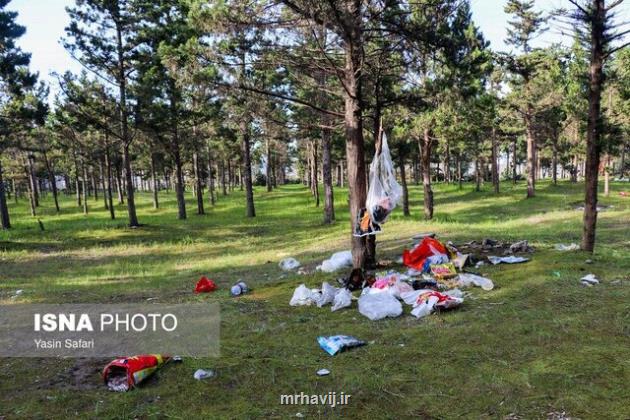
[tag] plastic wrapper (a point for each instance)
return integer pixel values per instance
(507, 260)
(327, 295)
(467, 279)
(443, 271)
(429, 251)
(205, 285)
(343, 299)
(377, 306)
(336, 343)
(123, 374)
(384, 192)
(289, 264)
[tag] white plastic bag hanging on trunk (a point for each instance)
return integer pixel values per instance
(384, 193)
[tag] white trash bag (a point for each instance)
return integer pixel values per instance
(467, 279)
(328, 294)
(289, 264)
(337, 261)
(377, 306)
(384, 193)
(302, 296)
(342, 299)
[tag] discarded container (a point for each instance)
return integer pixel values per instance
(123, 374)
(236, 290)
(323, 372)
(337, 261)
(336, 343)
(205, 285)
(289, 264)
(243, 285)
(201, 374)
(377, 306)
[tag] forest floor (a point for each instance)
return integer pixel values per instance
(537, 346)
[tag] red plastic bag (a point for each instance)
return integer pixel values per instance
(125, 373)
(429, 247)
(205, 285)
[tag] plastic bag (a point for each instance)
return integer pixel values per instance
(426, 301)
(205, 285)
(508, 260)
(328, 294)
(384, 193)
(289, 264)
(377, 306)
(302, 296)
(343, 299)
(337, 261)
(429, 251)
(467, 279)
(336, 343)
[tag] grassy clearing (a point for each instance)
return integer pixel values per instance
(538, 344)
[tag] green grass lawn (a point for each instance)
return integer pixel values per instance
(537, 345)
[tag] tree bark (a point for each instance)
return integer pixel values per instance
(554, 160)
(531, 153)
(315, 172)
(154, 181)
(495, 163)
(179, 182)
(329, 198)
(403, 181)
(246, 170)
(101, 170)
(198, 183)
(85, 188)
(108, 169)
(210, 177)
(5, 220)
(52, 180)
(597, 29)
(119, 185)
(477, 176)
(131, 204)
(29, 186)
(268, 181)
(425, 152)
(33, 179)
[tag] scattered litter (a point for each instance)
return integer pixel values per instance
(243, 286)
(424, 302)
(17, 293)
(589, 280)
(521, 246)
(355, 281)
(377, 306)
(570, 247)
(289, 264)
(337, 261)
(479, 264)
(336, 343)
(177, 359)
(205, 285)
(508, 260)
(424, 284)
(300, 415)
(456, 293)
(443, 271)
(343, 299)
(556, 273)
(588, 262)
(383, 194)
(121, 375)
(468, 279)
(327, 295)
(323, 372)
(429, 251)
(239, 289)
(201, 374)
(302, 296)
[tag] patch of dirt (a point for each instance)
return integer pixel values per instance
(83, 374)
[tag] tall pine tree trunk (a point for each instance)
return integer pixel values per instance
(425, 151)
(33, 179)
(593, 132)
(531, 153)
(179, 181)
(268, 180)
(108, 174)
(495, 162)
(246, 170)
(52, 180)
(154, 181)
(314, 172)
(210, 177)
(101, 170)
(329, 203)
(198, 183)
(85, 188)
(5, 220)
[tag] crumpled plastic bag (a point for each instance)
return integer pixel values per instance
(337, 261)
(327, 295)
(570, 247)
(467, 279)
(508, 260)
(426, 301)
(343, 299)
(336, 343)
(302, 296)
(377, 306)
(429, 251)
(384, 192)
(289, 264)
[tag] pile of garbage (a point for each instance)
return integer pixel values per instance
(432, 283)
